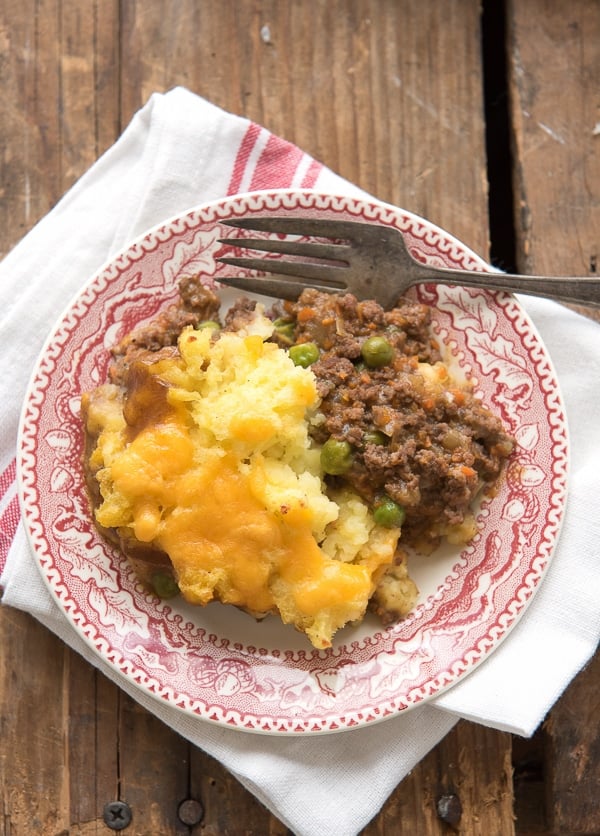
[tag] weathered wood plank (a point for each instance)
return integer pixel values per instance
(35, 666)
(29, 174)
(34, 772)
(556, 135)
(153, 770)
(373, 89)
(468, 776)
(557, 190)
(573, 785)
(91, 757)
(225, 802)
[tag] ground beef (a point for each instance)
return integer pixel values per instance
(339, 324)
(196, 304)
(240, 314)
(198, 299)
(435, 446)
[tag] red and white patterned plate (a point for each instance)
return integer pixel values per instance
(217, 663)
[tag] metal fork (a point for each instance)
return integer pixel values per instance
(369, 260)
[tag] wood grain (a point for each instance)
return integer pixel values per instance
(388, 93)
(372, 89)
(556, 135)
(557, 221)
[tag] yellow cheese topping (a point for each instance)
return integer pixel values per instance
(210, 461)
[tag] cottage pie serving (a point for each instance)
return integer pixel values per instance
(274, 460)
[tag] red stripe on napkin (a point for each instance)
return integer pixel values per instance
(8, 477)
(243, 155)
(310, 178)
(278, 165)
(9, 519)
(9, 522)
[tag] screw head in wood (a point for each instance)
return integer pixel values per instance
(117, 815)
(449, 808)
(190, 812)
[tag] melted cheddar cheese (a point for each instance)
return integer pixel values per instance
(207, 457)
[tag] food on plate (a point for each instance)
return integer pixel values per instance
(274, 460)
(408, 436)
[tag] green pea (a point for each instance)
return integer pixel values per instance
(336, 457)
(374, 437)
(164, 585)
(377, 352)
(304, 354)
(388, 513)
(285, 330)
(208, 323)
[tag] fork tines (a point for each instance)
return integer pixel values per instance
(333, 252)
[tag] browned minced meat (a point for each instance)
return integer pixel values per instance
(339, 324)
(240, 314)
(435, 452)
(196, 304)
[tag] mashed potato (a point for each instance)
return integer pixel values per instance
(206, 456)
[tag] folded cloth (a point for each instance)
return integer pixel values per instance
(180, 151)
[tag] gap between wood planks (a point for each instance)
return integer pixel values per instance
(498, 136)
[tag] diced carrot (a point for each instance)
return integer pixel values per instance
(304, 314)
(458, 395)
(467, 471)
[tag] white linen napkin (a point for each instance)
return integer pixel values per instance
(180, 151)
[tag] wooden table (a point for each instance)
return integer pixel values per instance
(488, 125)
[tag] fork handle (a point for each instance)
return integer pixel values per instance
(581, 290)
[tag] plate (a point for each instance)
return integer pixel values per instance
(216, 663)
